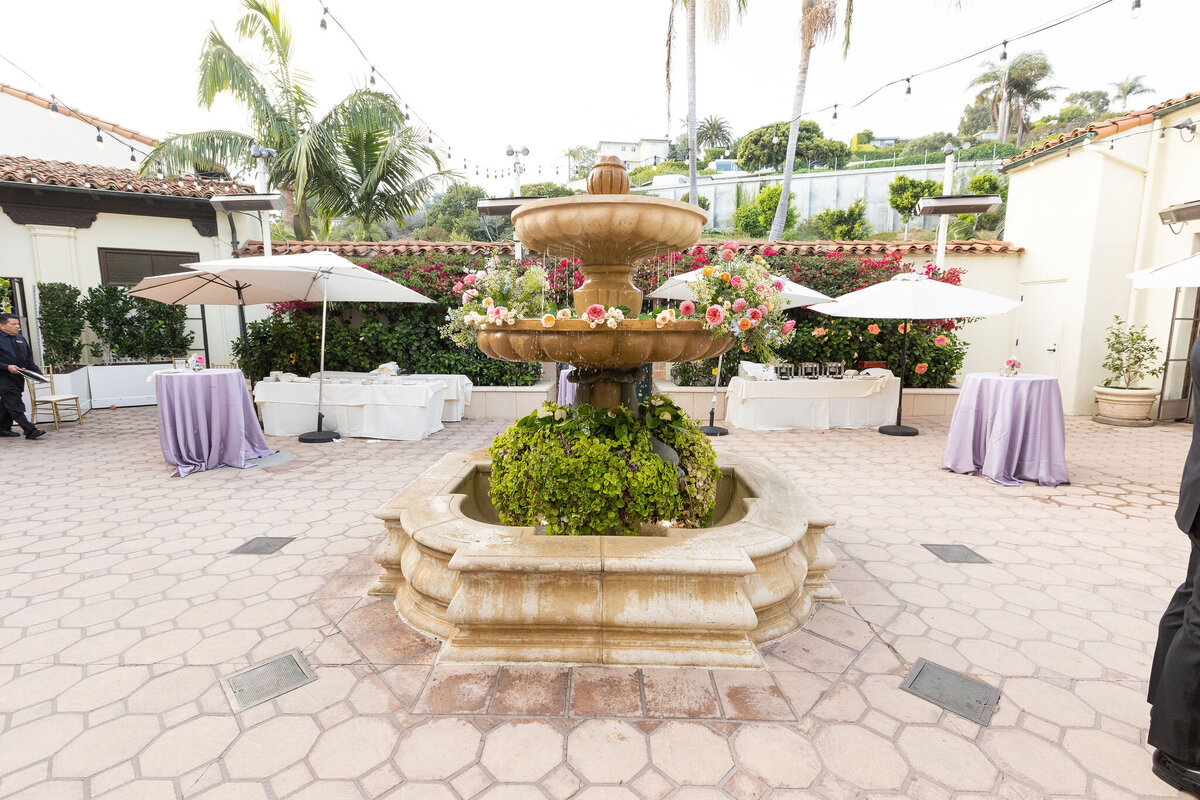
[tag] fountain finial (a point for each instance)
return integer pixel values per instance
(609, 176)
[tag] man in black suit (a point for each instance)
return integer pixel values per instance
(14, 354)
(1174, 693)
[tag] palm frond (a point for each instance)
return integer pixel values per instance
(818, 22)
(198, 152)
(223, 70)
(847, 16)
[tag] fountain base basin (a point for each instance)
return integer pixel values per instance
(680, 597)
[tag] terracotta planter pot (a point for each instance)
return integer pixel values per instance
(1129, 407)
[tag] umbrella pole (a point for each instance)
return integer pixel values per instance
(245, 339)
(321, 436)
(711, 428)
(898, 429)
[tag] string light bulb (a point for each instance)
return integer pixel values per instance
(324, 11)
(158, 171)
(54, 104)
(1135, 11)
(1004, 54)
(372, 78)
(908, 89)
(132, 157)
(775, 137)
(99, 137)
(834, 117)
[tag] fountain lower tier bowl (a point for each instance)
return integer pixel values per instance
(573, 341)
(682, 597)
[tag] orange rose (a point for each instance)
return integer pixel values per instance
(745, 323)
(725, 276)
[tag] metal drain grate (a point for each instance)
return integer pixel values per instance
(266, 681)
(954, 692)
(263, 545)
(956, 553)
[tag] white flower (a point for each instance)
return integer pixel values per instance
(543, 413)
(612, 322)
(564, 313)
(616, 313)
(662, 319)
(560, 414)
(487, 301)
(547, 320)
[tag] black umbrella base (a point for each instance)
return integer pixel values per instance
(319, 437)
(895, 430)
(713, 430)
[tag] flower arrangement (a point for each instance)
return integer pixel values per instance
(741, 298)
(1011, 367)
(499, 294)
(195, 362)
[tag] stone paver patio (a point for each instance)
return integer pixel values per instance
(120, 608)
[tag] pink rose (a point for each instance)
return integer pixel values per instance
(458, 287)
(739, 305)
(687, 308)
(594, 312)
(787, 327)
(737, 282)
(734, 246)
(761, 288)
(727, 255)
(715, 315)
(468, 280)
(778, 284)
(763, 309)
(755, 315)
(1008, 362)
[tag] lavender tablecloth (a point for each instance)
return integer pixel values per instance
(206, 420)
(1009, 430)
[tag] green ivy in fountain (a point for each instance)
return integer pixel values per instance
(594, 471)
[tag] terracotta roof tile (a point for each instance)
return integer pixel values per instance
(20, 169)
(1105, 128)
(111, 127)
(862, 248)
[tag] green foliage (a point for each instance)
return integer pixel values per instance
(929, 143)
(985, 183)
(702, 202)
(545, 189)
(1073, 114)
(1096, 101)
(844, 224)
(861, 141)
(767, 146)
(1132, 355)
(714, 132)
(134, 328)
(5, 296)
(455, 211)
(582, 158)
(904, 192)
(976, 117)
(754, 220)
(60, 320)
(593, 471)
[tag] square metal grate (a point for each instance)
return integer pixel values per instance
(956, 553)
(266, 681)
(262, 545)
(958, 694)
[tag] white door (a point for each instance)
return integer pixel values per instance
(1040, 326)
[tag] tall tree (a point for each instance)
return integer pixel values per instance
(1130, 87)
(1025, 90)
(818, 18)
(282, 117)
(581, 159)
(1096, 102)
(713, 132)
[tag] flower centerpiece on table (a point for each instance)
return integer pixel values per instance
(195, 362)
(738, 296)
(1011, 367)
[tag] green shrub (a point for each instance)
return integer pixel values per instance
(845, 224)
(593, 471)
(755, 219)
(133, 327)
(703, 202)
(60, 319)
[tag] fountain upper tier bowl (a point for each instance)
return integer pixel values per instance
(608, 229)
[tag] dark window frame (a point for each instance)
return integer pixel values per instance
(183, 256)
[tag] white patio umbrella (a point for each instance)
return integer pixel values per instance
(316, 276)
(678, 287)
(909, 296)
(1176, 275)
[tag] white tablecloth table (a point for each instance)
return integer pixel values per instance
(812, 404)
(409, 412)
(458, 389)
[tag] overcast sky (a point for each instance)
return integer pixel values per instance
(549, 74)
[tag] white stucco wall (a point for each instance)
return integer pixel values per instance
(35, 132)
(1086, 221)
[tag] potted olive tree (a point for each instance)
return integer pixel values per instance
(1132, 357)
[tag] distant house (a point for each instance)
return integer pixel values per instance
(643, 152)
(75, 211)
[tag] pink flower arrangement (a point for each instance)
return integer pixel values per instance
(788, 327)
(819, 332)
(778, 283)
(594, 312)
(715, 315)
(921, 368)
(763, 309)
(737, 282)
(458, 287)
(734, 246)
(468, 280)
(739, 305)
(761, 288)
(755, 314)
(687, 308)
(940, 341)
(727, 255)
(872, 329)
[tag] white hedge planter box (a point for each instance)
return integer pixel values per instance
(694, 400)
(76, 383)
(507, 402)
(929, 402)
(123, 385)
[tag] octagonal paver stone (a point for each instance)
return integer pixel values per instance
(606, 751)
(437, 749)
(522, 752)
(948, 759)
(777, 756)
(863, 758)
(104, 746)
(353, 748)
(1033, 759)
(267, 748)
(690, 753)
(187, 746)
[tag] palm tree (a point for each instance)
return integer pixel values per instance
(1131, 86)
(310, 150)
(714, 132)
(1024, 90)
(716, 17)
(818, 18)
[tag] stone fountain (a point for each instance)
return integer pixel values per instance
(673, 596)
